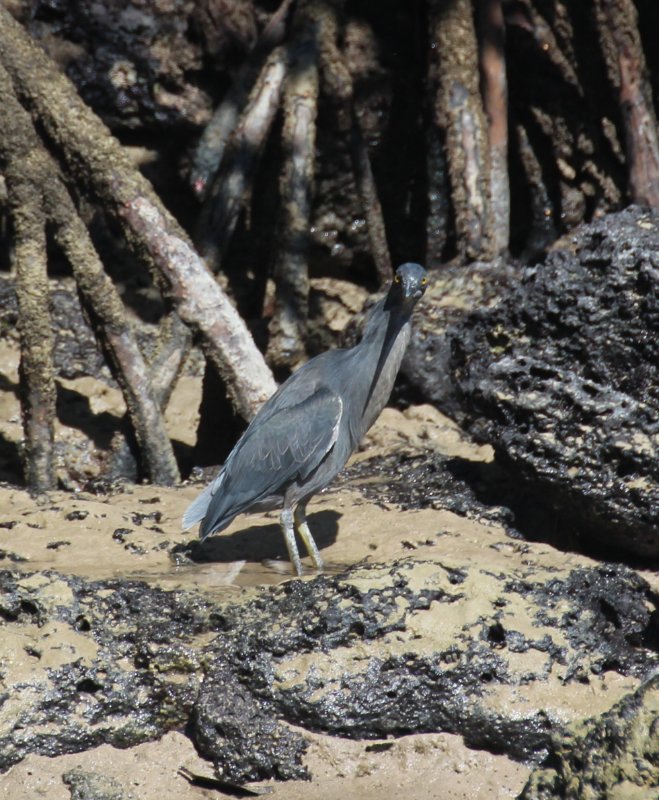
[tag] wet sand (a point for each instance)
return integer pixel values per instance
(131, 534)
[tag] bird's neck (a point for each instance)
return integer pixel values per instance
(381, 351)
(383, 326)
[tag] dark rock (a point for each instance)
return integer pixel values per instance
(454, 291)
(240, 731)
(86, 785)
(610, 616)
(226, 27)
(132, 63)
(562, 378)
(57, 544)
(76, 352)
(614, 756)
(414, 647)
(95, 662)
(502, 646)
(11, 556)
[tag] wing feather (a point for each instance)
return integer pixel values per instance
(287, 444)
(197, 509)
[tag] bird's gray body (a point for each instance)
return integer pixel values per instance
(304, 434)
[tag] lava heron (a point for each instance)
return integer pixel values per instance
(304, 434)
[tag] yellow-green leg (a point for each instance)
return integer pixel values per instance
(304, 533)
(287, 528)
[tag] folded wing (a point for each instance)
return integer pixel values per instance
(285, 446)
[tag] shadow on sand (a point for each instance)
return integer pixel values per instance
(260, 542)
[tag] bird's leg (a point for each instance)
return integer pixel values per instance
(302, 528)
(289, 536)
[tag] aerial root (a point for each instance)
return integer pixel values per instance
(233, 141)
(27, 156)
(495, 102)
(232, 183)
(288, 323)
(370, 200)
(32, 87)
(458, 112)
(209, 152)
(618, 21)
(96, 160)
(38, 396)
(338, 78)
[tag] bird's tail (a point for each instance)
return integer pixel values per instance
(197, 509)
(213, 508)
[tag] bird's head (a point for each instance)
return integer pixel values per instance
(409, 284)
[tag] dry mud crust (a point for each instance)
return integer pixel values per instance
(87, 663)
(440, 763)
(419, 646)
(616, 755)
(109, 637)
(561, 379)
(504, 642)
(416, 646)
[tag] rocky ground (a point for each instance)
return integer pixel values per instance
(467, 636)
(134, 535)
(488, 624)
(117, 632)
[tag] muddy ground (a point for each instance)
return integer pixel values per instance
(134, 532)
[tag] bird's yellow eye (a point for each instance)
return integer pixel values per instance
(424, 281)
(396, 278)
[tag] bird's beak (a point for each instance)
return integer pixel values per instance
(411, 291)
